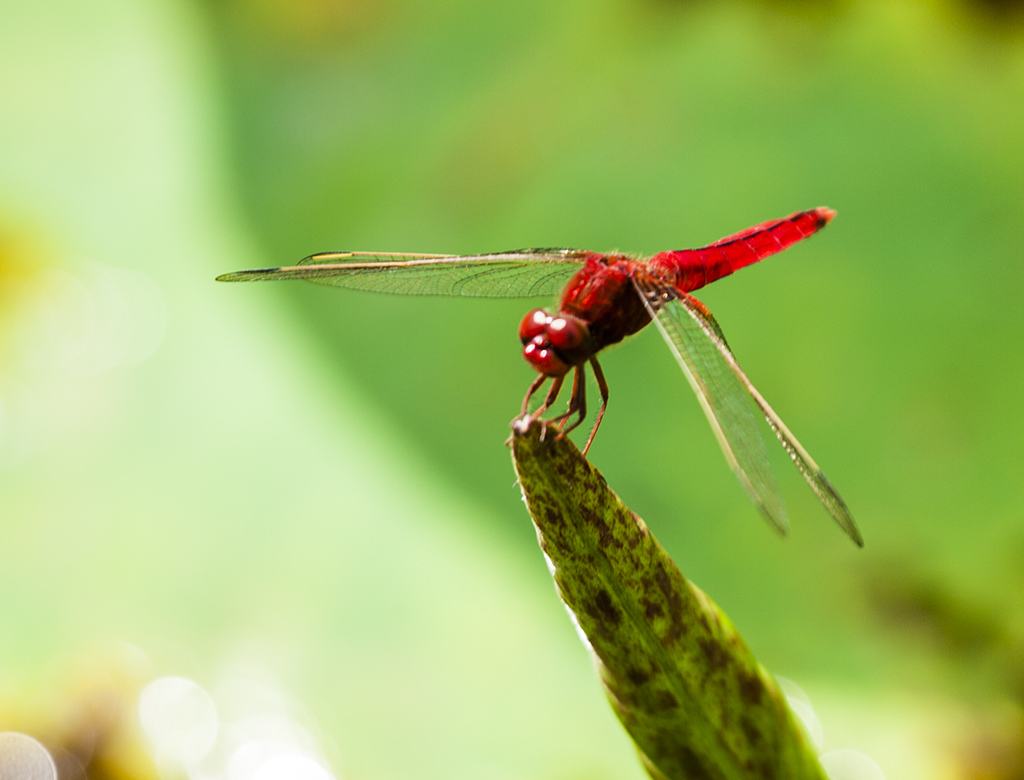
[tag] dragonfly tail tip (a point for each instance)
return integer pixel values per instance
(825, 214)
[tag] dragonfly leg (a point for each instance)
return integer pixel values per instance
(569, 412)
(556, 386)
(602, 386)
(577, 402)
(534, 387)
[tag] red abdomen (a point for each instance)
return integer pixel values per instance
(691, 269)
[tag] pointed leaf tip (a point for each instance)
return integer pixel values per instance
(678, 675)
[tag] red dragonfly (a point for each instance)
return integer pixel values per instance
(604, 298)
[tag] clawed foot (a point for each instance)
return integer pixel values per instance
(521, 426)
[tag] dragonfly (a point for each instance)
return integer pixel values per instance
(604, 299)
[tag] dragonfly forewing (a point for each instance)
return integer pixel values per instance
(519, 274)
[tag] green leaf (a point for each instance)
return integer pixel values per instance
(680, 678)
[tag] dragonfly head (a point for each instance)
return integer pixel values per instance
(553, 345)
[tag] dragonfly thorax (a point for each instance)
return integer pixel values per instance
(554, 344)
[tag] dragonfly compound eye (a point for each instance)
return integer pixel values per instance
(533, 325)
(544, 359)
(566, 334)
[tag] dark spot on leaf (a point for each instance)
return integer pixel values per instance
(606, 538)
(751, 731)
(667, 701)
(716, 655)
(605, 609)
(637, 676)
(676, 759)
(760, 767)
(635, 540)
(751, 688)
(552, 517)
(666, 584)
(652, 609)
(563, 469)
(693, 767)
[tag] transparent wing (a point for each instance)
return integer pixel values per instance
(721, 394)
(698, 344)
(522, 273)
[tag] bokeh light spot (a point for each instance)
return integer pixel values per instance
(809, 720)
(850, 765)
(800, 705)
(180, 719)
(292, 767)
(23, 758)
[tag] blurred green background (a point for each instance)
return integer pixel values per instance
(314, 481)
